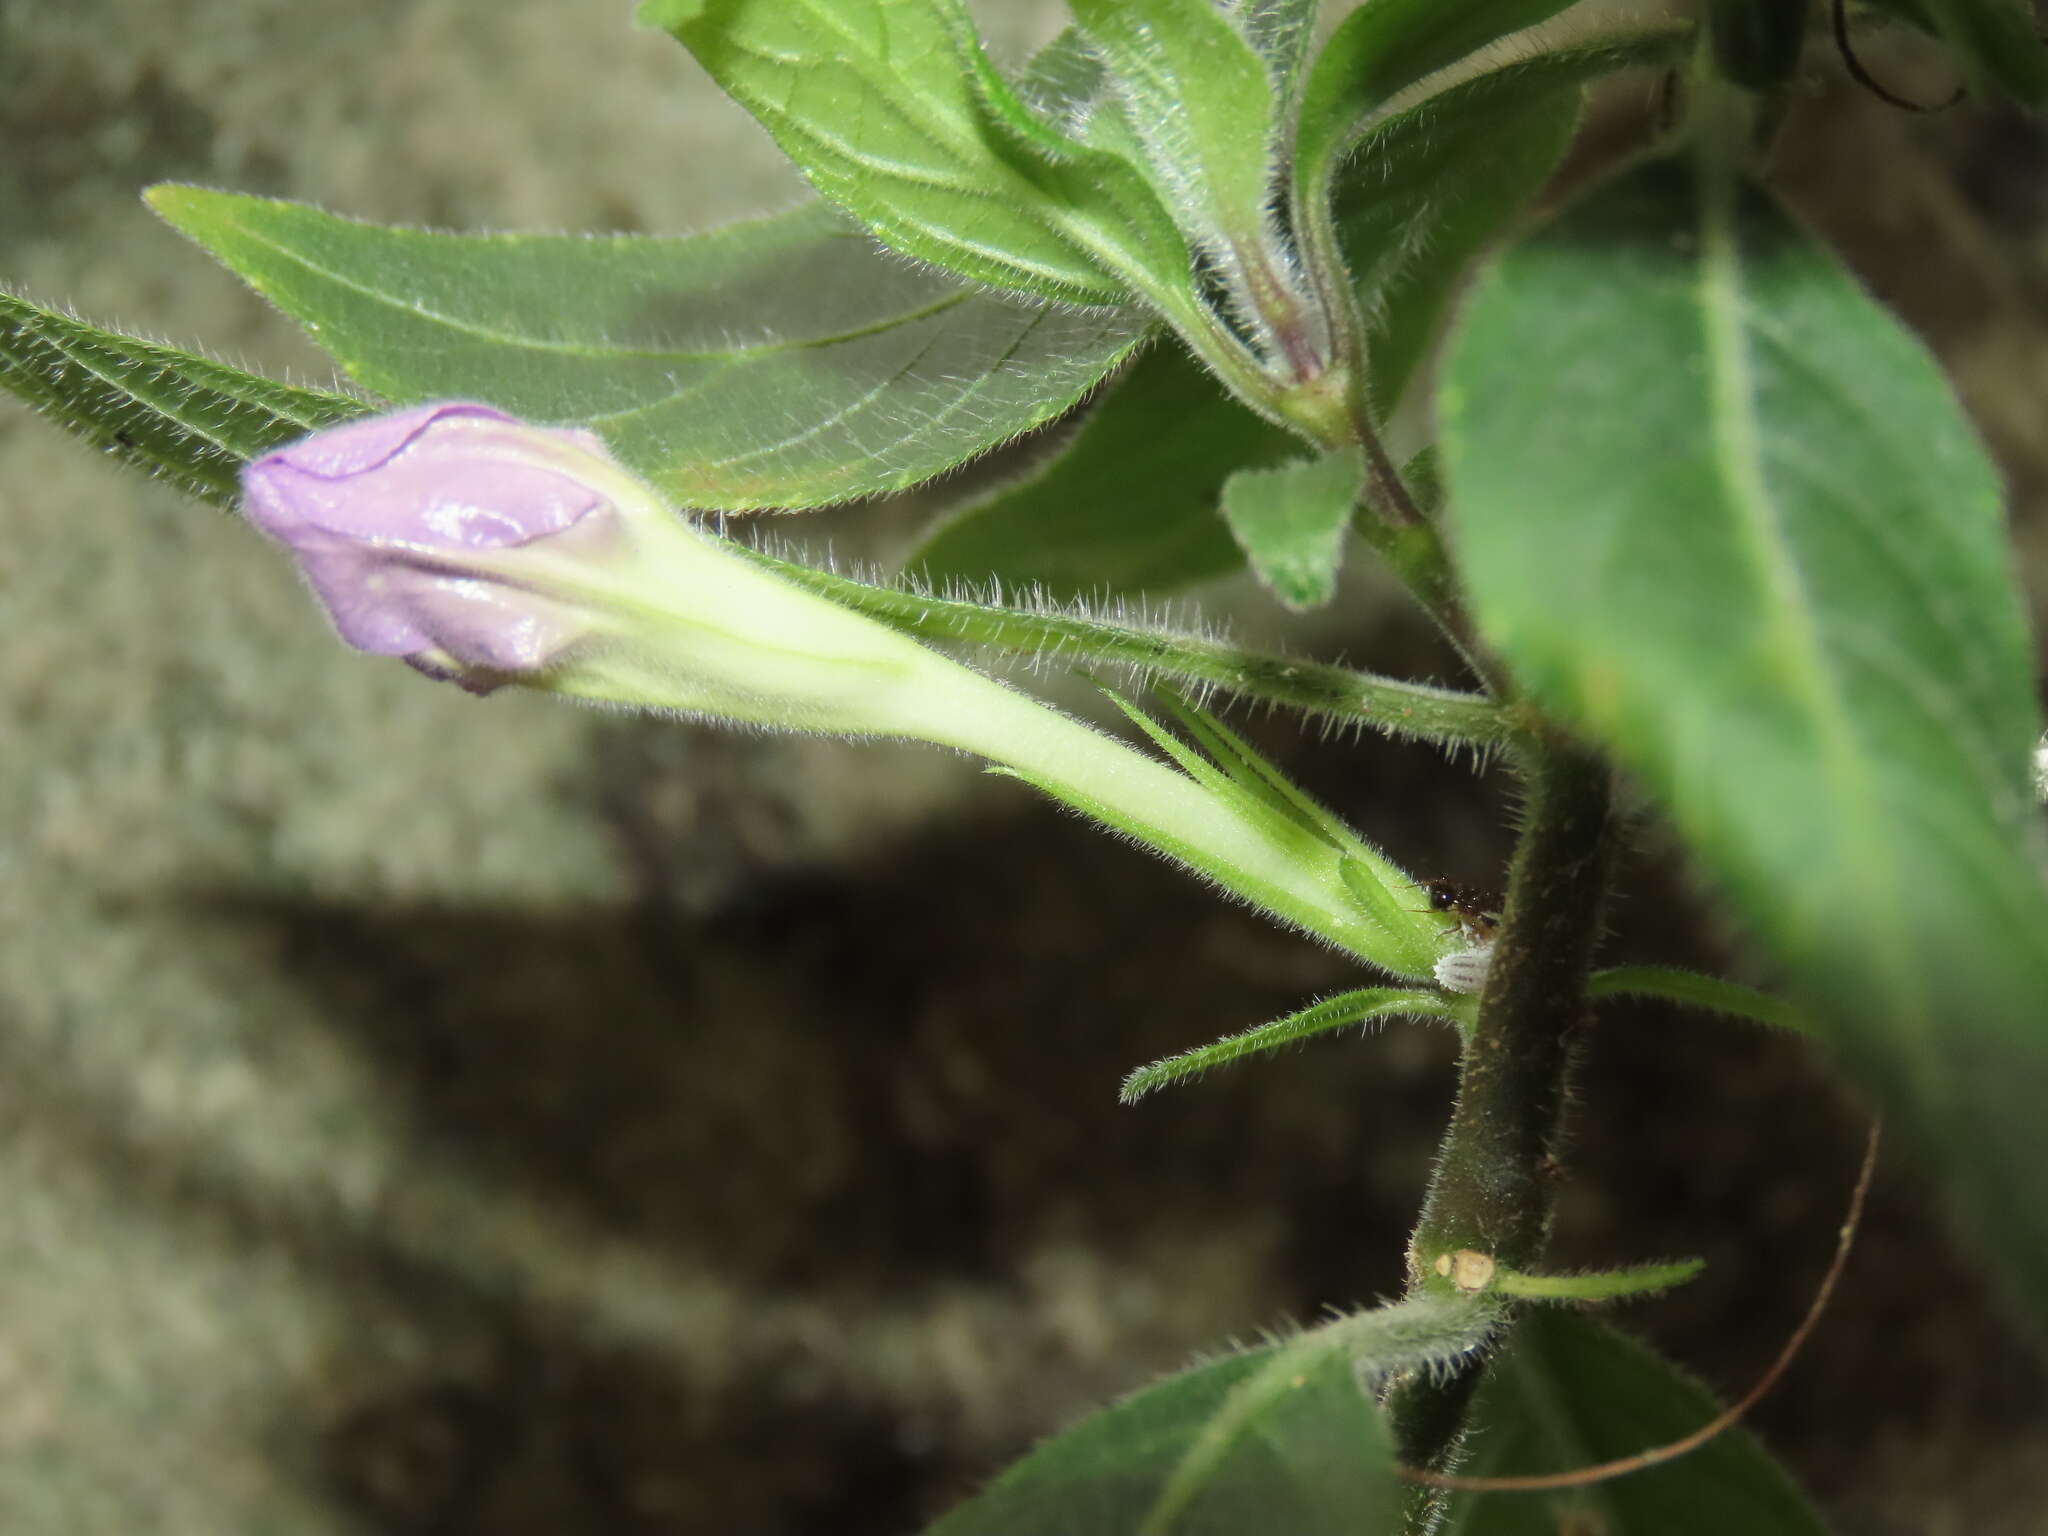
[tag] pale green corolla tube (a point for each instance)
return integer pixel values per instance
(488, 552)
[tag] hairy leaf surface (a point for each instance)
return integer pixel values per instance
(893, 111)
(1721, 511)
(1570, 1392)
(1381, 49)
(169, 413)
(782, 363)
(1284, 1438)
(1203, 105)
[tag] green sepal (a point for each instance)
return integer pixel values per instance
(1387, 896)
(1318, 1018)
(1593, 1287)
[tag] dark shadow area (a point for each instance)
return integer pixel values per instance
(833, 1091)
(897, 1076)
(841, 1091)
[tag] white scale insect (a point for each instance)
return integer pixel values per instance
(1464, 969)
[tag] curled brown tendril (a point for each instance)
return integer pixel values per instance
(1606, 1471)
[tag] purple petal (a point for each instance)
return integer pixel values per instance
(381, 513)
(434, 477)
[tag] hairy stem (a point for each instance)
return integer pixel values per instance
(1492, 1191)
(1338, 693)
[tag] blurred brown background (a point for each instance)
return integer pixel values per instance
(420, 1114)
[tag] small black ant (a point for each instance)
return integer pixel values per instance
(1477, 912)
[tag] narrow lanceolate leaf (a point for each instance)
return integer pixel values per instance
(185, 418)
(1338, 1012)
(1997, 42)
(782, 363)
(1569, 1392)
(1285, 1438)
(1593, 1287)
(893, 112)
(1720, 511)
(1291, 521)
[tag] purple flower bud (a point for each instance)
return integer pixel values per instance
(401, 523)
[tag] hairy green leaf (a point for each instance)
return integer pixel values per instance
(1290, 522)
(1285, 1438)
(1201, 102)
(1132, 502)
(1720, 511)
(781, 363)
(893, 112)
(1380, 50)
(1339, 1012)
(1280, 32)
(1196, 93)
(1430, 188)
(193, 421)
(1569, 1392)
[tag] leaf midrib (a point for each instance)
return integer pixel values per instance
(1797, 643)
(585, 350)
